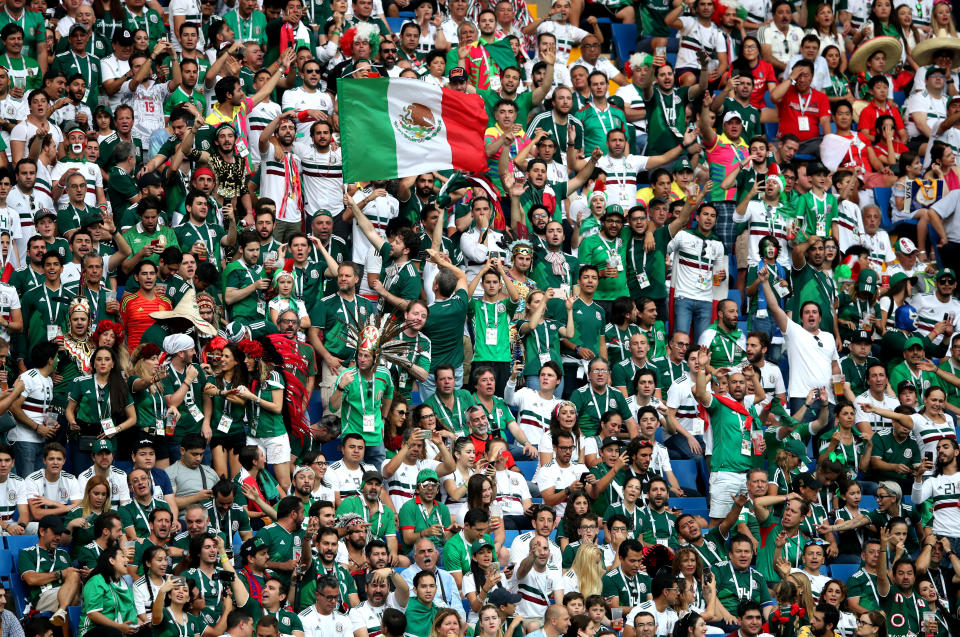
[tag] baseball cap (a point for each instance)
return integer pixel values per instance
(953, 98)
(123, 36)
(904, 385)
(867, 281)
(91, 218)
(44, 212)
(682, 164)
(252, 547)
(52, 522)
(501, 597)
(905, 246)
(902, 276)
(613, 209)
(100, 446)
(946, 272)
(458, 74)
(482, 543)
(913, 340)
(77, 27)
(797, 448)
(809, 480)
(609, 440)
(425, 475)
(144, 443)
(861, 336)
(375, 475)
(935, 69)
(731, 115)
(151, 178)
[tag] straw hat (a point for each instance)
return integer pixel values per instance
(923, 53)
(187, 309)
(889, 45)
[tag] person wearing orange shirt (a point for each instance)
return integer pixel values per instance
(136, 307)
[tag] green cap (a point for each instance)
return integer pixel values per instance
(947, 272)
(913, 340)
(482, 543)
(936, 69)
(682, 164)
(613, 209)
(867, 281)
(91, 218)
(102, 445)
(797, 448)
(427, 474)
(323, 212)
(902, 276)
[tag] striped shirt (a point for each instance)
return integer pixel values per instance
(261, 115)
(944, 491)
(276, 184)
(533, 413)
(536, 591)
(928, 433)
(37, 394)
(10, 491)
(622, 177)
(322, 174)
(696, 37)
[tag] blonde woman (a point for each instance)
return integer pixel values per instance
(80, 519)
(447, 623)
(585, 573)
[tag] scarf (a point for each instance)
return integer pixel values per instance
(253, 584)
(558, 261)
(731, 404)
(420, 617)
(291, 184)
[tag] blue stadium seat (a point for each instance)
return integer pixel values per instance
(624, 40)
(868, 502)
(686, 473)
(772, 130)
(700, 513)
(74, 614)
(509, 536)
(658, 435)
(527, 468)
(907, 499)
(688, 503)
(899, 97)
(843, 572)
(395, 24)
(881, 196)
(8, 568)
(734, 295)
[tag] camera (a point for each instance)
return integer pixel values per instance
(226, 577)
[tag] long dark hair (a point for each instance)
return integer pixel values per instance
(475, 491)
(241, 376)
(119, 392)
(479, 573)
(104, 567)
(878, 129)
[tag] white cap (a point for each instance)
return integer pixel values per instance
(906, 246)
(732, 115)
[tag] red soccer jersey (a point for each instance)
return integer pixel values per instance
(135, 314)
(762, 73)
(870, 114)
(801, 115)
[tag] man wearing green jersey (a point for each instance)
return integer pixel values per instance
(588, 341)
(738, 582)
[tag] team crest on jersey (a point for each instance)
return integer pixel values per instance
(62, 493)
(205, 144)
(611, 403)
(713, 547)
(598, 315)
(115, 489)
(153, 18)
(12, 494)
(908, 453)
(339, 627)
(285, 621)
(235, 526)
(296, 540)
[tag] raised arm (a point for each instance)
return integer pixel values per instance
(364, 224)
(763, 275)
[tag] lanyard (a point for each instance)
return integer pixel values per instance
(249, 23)
(606, 401)
(611, 252)
(142, 513)
(94, 297)
(653, 524)
(803, 106)
(54, 316)
(448, 416)
(728, 352)
(486, 314)
(632, 587)
(633, 256)
(556, 131)
(795, 541)
(215, 588)
(373, 383)
(189, 399)
(156, 399)
(365, 514)
(669, 114)
(740, 594)
(85, 72)
(356, 310)
(181, 628)
(99, 401)
(546, 337)
(600, 118)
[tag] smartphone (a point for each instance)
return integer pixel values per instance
(583, 477)
(556, 17)
(928, 455)
(155, 242)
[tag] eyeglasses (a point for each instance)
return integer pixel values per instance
(599, 371)
(320, 463)
(428, 416)
(681, 345)
(312, 71)
(402, 412)
(862, 623)
(621, 529)
(881, 497)
(331, 598)
(566, 448)
(589, 527)
(590, 45)
(819, 342)
(947, 281)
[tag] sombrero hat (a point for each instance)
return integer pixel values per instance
(923, 52)
(889, 45)
(187, 309)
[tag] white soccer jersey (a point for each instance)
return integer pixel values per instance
(366, 615)
(568, 36)
(511, 491)
(86, 168)
(344, 480)
(533, 412)
(261, 115)
(335, 624)
(65, 490)
(10, 491)
(945, 492)
(190, 10)
(300, 99)
(621, 181)
(928, 433)
(520, 549)
(536, 590)
(697, 37)
(400, 486)
(322, 178)
(119, 491)
(147, 105)
(37, 394)
(553, 475)
(762, 220)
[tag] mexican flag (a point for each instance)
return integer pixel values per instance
(400, 127)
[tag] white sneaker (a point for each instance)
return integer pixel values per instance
(59, 618)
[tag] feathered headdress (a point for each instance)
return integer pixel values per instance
(656, 557)
(521, 246)
(283, 353)
(380, 336)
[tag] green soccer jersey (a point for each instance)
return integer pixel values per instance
(540, 345)
(444, 328)
(113, 600)
(591, 406)
(210, 234)
(136, 238)
(668, 372)
(287, 620)
(253, 307)
(211, 590)
(332, 314)
(606, 253)
(382, 523)
(453, 417)
(70, 63)
(618, 342)
(490, 322)
(149, 21)
(401, 280)
(282, 545)
(810, 284)
(711, 549)
(589, 320)
(904, 612)
(180, 96)
(863, 585)
(253, 28)
(87, 555)
(82, 534)
(265, 423)
(817, 214)
(953, 393)
(43, 310)
(419, 355)
(151, 408)
(499, 415)
(555, 270)
(921, 380)
(629, 591)
(611, 496)
(227, 418)
(597, 123)
(456, 553)
(361, 401)
(228, 522)
(524, 102)
(33, 24)
(137, 515)
(792, 550)
(415, 517)
(191, 409)
(732, 448)
(666, 119)
(855, 373)
(93, 401)
(36, 559)
(735, 586)
(657, 527)
(191, 626)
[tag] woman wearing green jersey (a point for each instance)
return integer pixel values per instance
(107, 600)
(152, 411)
(264, 410)
(169, 616)
(229, 410)
(80, 519)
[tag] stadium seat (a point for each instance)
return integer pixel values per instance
(686, 473)
(527, 468)
(73, 612)
(772, 130)
(881, 196)
(624, 41)
(658, 435)
(509, 536)
(700, 513)
(395, 24)
(868, 502)
(688, 503)
(899, 97)
(843, 572)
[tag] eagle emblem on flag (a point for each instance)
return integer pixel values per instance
(418, 124)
